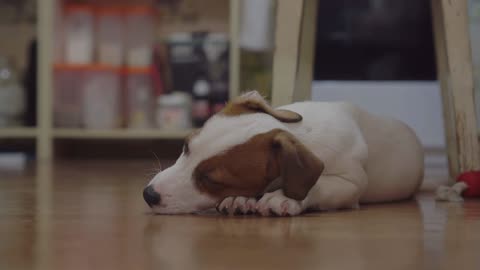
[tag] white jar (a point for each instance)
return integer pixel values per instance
(110, 36)
(58, 34)
(173, 111)
(68, 95)
(139, 95)
(12, 96)
(78, 34)
(102, 89)
(139, 36)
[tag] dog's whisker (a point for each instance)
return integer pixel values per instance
(158, 161)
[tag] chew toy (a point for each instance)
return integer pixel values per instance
(468, 186)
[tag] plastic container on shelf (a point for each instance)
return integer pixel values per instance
(78, 33)
(139, 35)
(218, 96)
(200, 103)
(68, 95)
(12, 96)
(173, 111)
(110, 36)
(58, 34)
(139, 97)
(101, 97)
(185, 60)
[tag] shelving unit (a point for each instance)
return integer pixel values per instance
(119, 134)
(23, 133)
(45, 133)
(284, 91)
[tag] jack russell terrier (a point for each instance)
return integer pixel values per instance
(251, 158)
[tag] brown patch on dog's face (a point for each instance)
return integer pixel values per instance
(247, 169)
(244, 170)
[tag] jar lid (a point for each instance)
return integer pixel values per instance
(103, 67)
(217, 37)
(140, 10)
(180, 37)
(109, 10)
(84, 67)
(201, 88)
(138, 70)
(174, 99)
(70, 8)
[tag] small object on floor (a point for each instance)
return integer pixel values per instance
(468, 185)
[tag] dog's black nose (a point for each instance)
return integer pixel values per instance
(151, 196)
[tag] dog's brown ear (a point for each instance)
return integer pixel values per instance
(252, 102)
(299, 169)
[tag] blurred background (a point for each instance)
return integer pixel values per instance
(129, 79)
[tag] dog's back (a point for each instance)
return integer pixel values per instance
(392, 153)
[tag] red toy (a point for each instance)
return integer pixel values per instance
(468, 185)
(472, 180)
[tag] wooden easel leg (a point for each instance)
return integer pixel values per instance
(450, 20)
(285, 58)
(306, 58)
(294, 51)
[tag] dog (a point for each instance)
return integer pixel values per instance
(316, 156)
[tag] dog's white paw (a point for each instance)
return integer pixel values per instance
(275, 203)
(237, 206)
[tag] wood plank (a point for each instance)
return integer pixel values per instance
(442, 74)
(90, 214)
(234, 87)
(285, 58)
(460, 83)
(45, 97)
(304, 76)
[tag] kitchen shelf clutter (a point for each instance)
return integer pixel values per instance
(110, 73)
(108, 70)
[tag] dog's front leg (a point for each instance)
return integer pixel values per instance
(270, 204)
(277, 204)
(331, 192)
(338, 191)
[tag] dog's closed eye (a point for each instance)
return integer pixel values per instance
(206, 181)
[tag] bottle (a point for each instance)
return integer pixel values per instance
(200, 105)
(256, 42)
(12, 101)
(218, 96)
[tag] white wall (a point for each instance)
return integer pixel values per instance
(418, 104)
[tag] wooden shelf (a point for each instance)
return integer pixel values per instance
(20, 132)
(64, 133)
(214, 19)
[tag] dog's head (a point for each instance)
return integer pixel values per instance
(240, 151)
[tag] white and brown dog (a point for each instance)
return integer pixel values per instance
(303, 156)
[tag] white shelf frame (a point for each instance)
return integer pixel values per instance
(134, 134)
(18, 132)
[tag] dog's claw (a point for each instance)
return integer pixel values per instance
(236, 206)
(237, 211)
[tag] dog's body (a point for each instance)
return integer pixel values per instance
(381, 156)
(310, 155)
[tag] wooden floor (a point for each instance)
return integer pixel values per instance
(80, 215)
